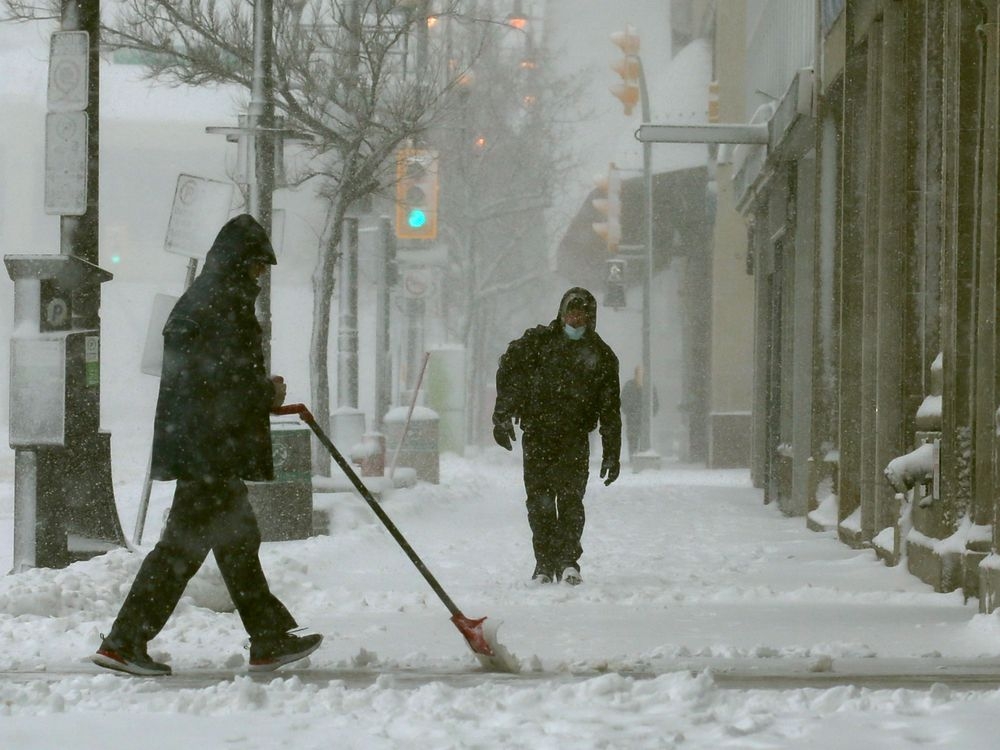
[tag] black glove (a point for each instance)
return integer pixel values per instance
(503, 433)
(610, 469)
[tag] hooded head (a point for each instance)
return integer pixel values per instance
(579, 298)
(240, 242)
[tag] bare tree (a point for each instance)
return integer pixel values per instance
(366, 77)
(502, 146)
(362, 76)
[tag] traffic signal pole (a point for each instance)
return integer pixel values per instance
(651, 459)
(630, 92)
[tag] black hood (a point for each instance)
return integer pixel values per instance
(241, 241)
(589, 304)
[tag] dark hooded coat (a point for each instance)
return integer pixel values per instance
(557, 387)
(212, 412)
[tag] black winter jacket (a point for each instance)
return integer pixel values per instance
(212, 411)
(559, 387)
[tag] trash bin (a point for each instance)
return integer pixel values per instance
(284, 507)
(347, 428)
(445, 394)
(420, 450)
(370, 455)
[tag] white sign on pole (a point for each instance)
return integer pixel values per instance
(200, 208)
(66, 163)
(417, 283)
(278, 231)
(68, 71)
(152, 351)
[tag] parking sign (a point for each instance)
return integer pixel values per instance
(199, 210)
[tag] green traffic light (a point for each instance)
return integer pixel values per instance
(416, 218)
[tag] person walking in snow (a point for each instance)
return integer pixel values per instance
(632, 395)
(212, 432)
(559, 382)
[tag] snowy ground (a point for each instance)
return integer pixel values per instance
(706, 619)
(689, 580)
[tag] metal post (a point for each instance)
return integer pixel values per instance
(25, 509)
(383, 361)
(423, 37)
(261, 149)
(409, 414)
(645, 443)
(347, 328)
(415, 310)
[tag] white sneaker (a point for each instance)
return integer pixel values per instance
(572, 576)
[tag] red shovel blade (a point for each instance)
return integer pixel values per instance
(473, 632)
(484, 644)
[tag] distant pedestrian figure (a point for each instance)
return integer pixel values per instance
(560, 381)
(632, 395)
(211, 432)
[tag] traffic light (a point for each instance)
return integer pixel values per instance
(610, 205)
(614, 291)
(629, 68)
(416, 194)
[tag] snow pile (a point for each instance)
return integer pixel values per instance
(685, 573)
(670, 711)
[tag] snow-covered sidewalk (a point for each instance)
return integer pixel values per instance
(684, 569)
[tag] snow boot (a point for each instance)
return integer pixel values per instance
(130, 659)
(269, 653)
(542, 575)
(572, 576)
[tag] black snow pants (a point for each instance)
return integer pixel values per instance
(206, 515)
(555, 479)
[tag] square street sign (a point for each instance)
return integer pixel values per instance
(66, 163)
(200, 208)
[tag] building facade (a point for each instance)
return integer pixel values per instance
(871, 219)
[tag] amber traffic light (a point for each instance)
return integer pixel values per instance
(628, 68)
(609, 205)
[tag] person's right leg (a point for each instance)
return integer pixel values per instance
(569, 477)
(267, 621)
(236, 545)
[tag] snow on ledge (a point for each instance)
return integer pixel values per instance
(826, 513)
(991, 562)
(956, 543)
(853, 521)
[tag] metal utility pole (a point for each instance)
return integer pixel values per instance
(261, 126)
(383, 359)
(630, 92)
(347, 326)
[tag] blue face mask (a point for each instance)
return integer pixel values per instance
(574, 333)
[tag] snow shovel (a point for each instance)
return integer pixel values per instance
(481, 638)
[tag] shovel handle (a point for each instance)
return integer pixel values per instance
(306, 416)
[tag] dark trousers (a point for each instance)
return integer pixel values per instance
(555, 479)
(205, 515)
